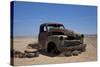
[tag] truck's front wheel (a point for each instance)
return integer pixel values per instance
(51, 48)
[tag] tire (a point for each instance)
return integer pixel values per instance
(49, 49)
(52, 48)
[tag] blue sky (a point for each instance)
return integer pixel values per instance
(29, 15)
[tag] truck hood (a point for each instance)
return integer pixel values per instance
(65, 32)
(62, 32)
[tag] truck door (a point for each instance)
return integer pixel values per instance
(43, 37)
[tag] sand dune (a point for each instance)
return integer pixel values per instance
(90, 54)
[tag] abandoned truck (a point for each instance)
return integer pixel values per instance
(54, 38)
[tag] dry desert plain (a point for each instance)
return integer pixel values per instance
(20, 44)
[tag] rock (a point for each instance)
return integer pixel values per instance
(75, 53)
(68, 53)
(36, 54)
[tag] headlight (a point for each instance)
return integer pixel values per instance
(61, 38)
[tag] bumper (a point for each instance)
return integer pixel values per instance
(71, 48)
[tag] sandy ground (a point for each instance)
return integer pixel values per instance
(90, 54)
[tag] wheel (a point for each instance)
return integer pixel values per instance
(52, 48)
(49, 49)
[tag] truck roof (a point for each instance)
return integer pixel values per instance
(50, 24)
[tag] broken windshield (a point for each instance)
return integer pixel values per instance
(55, 27)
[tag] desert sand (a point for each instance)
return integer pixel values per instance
(20, 44)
